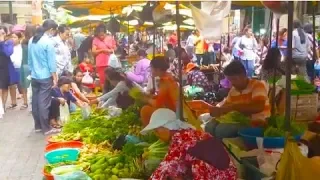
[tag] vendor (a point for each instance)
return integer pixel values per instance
(118, 96)
(141, 70)
(247, 96)
(61, 95)
(167, 94)
(180, 162)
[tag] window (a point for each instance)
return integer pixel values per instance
(5, 18)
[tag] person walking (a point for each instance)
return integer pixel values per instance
(78, 38)
(42, 63)
(25, 70)
(247, 46)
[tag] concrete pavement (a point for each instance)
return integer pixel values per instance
(21, 149)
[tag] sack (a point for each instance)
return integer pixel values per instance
(64, 113)
(114, 62)
(87, 79)
(294, 166)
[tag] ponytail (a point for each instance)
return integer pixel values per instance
(47, 25)
(39, 33)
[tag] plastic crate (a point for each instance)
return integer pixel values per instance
(199, 107)
(251, 168)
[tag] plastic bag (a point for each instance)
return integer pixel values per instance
(85, 111)
(64, 113)
(75, 175)
(191, 91)
(87, 79)
(114, 111)
(114, 62)
(294, 166)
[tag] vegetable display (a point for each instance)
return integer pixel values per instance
(234, 117)
(276, 127)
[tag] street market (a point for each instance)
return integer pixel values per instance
(168, 90)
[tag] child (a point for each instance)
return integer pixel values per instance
(86, 65)
(61, 95)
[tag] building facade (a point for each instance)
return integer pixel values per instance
(21, 11)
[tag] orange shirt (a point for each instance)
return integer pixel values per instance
(168, 93)
(256, 90)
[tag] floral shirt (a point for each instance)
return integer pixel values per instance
(199, 79)
(178, 163)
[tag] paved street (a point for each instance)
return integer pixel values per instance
(21, 149)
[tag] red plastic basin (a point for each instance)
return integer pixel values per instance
(68, 144)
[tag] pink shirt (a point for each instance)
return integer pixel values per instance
(108, 43)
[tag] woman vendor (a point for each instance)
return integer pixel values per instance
(247, 96)
(142, 69)
(167, 94)
(192, 154)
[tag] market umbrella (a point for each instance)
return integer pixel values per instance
(84, 21)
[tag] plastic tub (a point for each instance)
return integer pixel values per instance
(249, 136)
(47, 176)
(59, 145)
(62, 155)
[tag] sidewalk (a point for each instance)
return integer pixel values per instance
(21, 149)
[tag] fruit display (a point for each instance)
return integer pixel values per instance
(63, 137)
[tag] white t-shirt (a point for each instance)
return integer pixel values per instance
(248, 46)
(16, 56)
(190, 41)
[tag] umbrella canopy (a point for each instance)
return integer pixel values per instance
(84, 21)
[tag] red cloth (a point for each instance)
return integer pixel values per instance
(178, 162)
(205, 46)
(101, 74)
(84, 67)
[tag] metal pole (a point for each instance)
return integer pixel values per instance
(180, 106)
(273, 97)
(288, 65)
(271, 27)
(10, 12)
(314, 8)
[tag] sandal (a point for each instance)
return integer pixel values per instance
(23, 107)
(12, 106)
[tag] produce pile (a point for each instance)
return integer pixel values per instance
(234, 117)
(276, 127)
(99, 157)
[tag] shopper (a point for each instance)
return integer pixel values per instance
(63, 56)
(25, 70)
(103, 46)
(270, 63)
(199, 47)
(247, 46)
(42, 63)
(282, 43)
(300, 49)
(311, 61)
(6, 50)
(78, 40)
(16, 59)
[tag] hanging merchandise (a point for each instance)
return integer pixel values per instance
(209, 18)
(113, 25)
(161, 15)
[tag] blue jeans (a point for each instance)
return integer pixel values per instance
(249, 66)
(223, 130)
